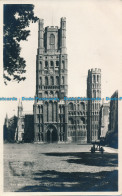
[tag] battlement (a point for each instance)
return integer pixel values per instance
(94, 70)
(51, 28)
(63, 18)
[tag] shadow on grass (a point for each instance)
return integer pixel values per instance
(54, 181)
(87, 158)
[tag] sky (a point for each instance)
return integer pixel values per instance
(93, 39)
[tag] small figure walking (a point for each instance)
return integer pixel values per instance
(102, 150)
(93, 149)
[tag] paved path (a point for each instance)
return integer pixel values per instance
(110, 150)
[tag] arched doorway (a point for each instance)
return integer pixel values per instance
(52, 135)
(48, 136)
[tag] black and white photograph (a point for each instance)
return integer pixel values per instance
(60, 97)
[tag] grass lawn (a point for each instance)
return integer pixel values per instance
(58, 168)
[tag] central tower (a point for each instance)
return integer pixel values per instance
(50, 117)
(51, 70)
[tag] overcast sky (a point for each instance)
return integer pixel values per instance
(94, 40)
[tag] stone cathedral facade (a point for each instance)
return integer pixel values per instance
(62, 121)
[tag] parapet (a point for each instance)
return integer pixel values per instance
(63, 18)
(51, 28)
(94, 70)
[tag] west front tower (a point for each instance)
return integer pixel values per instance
(93, 92)
(50, 117)
(51, 70)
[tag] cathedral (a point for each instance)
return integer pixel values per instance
(62, 121)
(75, 121)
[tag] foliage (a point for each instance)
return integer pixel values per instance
(17, 18)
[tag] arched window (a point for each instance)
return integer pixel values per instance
(52, 41)
(57, 63)
(57, 80)
(74, 107)
(78, 106)
(70, 106)
(50, 111)
(63, 64)
(98, 93)
(40, 81)
(41, 109)
(46, 64)
(97, 78)
(82, 120)
(55, 113)
(94, 78)
(82, 106)
(52, 63)
(46, 111)
(62, 79)
(41, 119)
(51, 80)
(40, 65)
(94, 94)
(46, 80)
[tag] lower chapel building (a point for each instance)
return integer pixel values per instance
(58, 121)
